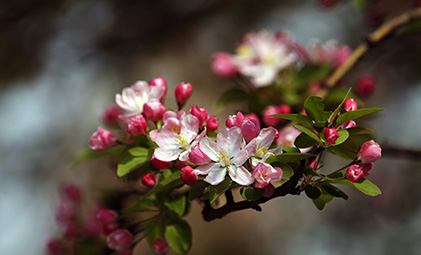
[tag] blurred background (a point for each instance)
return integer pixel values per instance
(62, 62)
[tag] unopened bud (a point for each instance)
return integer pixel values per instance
(161, 246)
(200, 113)
(234, 120)
(197, 156)
(250, 129)
(188, 176)
(369, 152)
(348, 124)
(331, 135)
(350, 105)
(354, 173)
(111, 114)
(182, 93)
(365, 86)
(120, 240)
(212, 124)
(106, 216)
(161, 84)
(154, 110)
(102, 140)
(159, 163)
(149, 180)
(137, 125)
(222, 65)
(269, 120)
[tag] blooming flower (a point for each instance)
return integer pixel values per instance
(265, 174)
(227, 155)
(263, 142)
(261, 55)
(134, 97)
(174, 145)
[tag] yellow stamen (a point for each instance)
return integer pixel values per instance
(182, 141)
(261, 152)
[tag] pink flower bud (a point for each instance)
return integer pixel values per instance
(180, 164)
(354, 173)
(182, 93)
(212, 124)
(109, 228)
(149, 180)
(265, 174)
(269, 120)
(154, 110)
(252, 115)
(159, 163)
(200, 113)
(234, 120)
(106, 216)
(284, 109)
(111, 114)
(102, 140)
(72, 192)
(250, 129)
(350, 105)
(331, 135)
(369, 152)
(161, 246)
(197, 156)
(92, 227)
(65, 211)
(269, 190)
(365, 86)
(366, 167)
(161, 84)
(342, 55)
(120, 240)
(137, 125)
(348, 124)
(188, 176)
(222, 65)
(71, 231)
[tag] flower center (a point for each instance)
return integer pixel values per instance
(224, 159)
(181, 139)
(269, 58)
(261, 152)
(244, 51)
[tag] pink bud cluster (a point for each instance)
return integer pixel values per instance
(369, 152)
(268, 120)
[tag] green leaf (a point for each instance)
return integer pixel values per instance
(344, 117)
(315, 109)
(233, 95)
(308, 74)
(251, 193)
(154, 229)
(334, 191)
(304, 141)
(343, 136)
(302, 119)
(288, 149)
(347, 150)
(334, 115)
(177, 205)
(312, 192)
(287, 171)
(289, 157)
(142, 204)
(215, 191)
(197, 189)
(322, 200)
(359, 131)
(309, 133)
(365, 186)
(131, 160)
(179, 236)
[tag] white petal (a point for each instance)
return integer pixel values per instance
(189, 127)
(242, 176)
(167, 154)
(165, 138)
(216, 176)
(210, 148)
(184, 156)
(230, 140)
(266, 137)
(205, 169)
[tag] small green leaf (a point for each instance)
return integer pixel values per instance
(304, 141)
(347, 150)
(312, 192)
(131, 160)
(251, 193)
(287, 171)
(322, 200)
(334, 115)
(359, 131)
(233, 95)
(215, 191)
(197, 189)
(289, 157)
(343, 136)
(177, 205)
(288, 149)
(309, 133)
(344, 117)
(302, 119)
(179, 236)
(365, 186)
(315, 109)
(334, 191)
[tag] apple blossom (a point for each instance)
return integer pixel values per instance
(331, 52)
(354, 173)
(331, 135)
(120, 240)
(264, 174)
(348, 124)
(365, 86)
(159, 163)
(263, 141)
(109, 228)
(137, 125)
(222, 64)
(188, 176)
(212, 124)
(102, 140)
(161, 84)
(197, 156)
(269, 120)
(350, 105)
(154, 110)
(182, 93)
(369, 152)
(111, 114)
(161, 246)
(200, 113)
(234, 120)
(106, 216)
(227, 155)
(133, 98)
(250, 128)
(252, 115)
